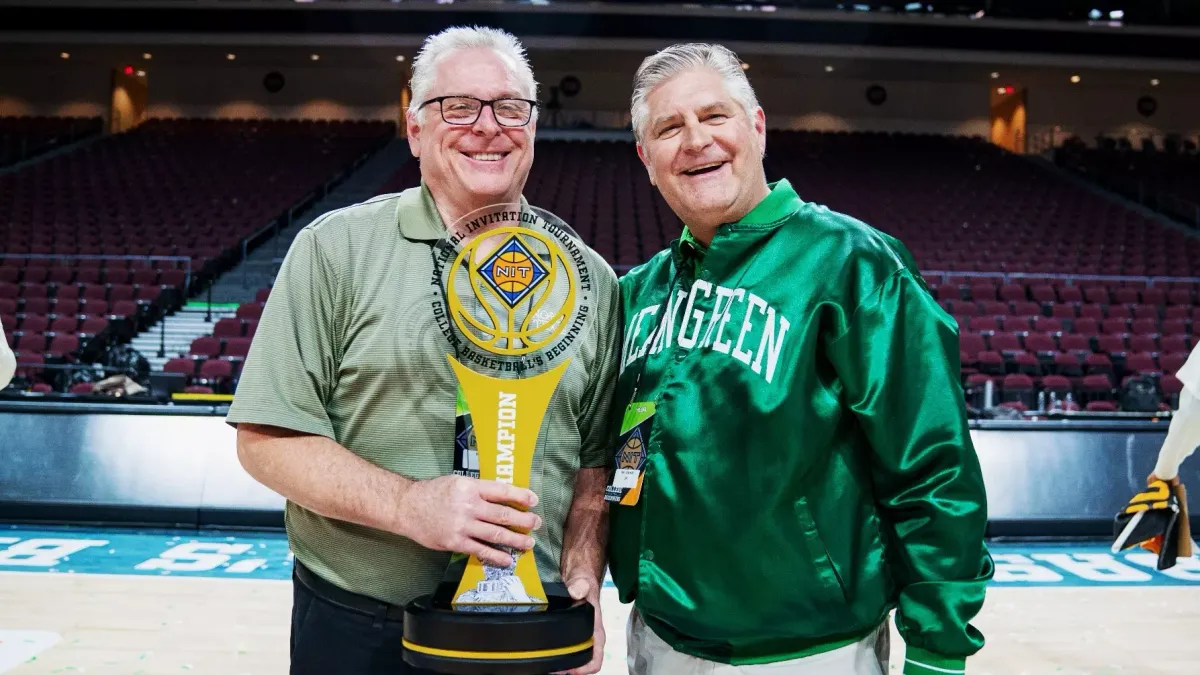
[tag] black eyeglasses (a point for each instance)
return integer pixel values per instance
(509, 112)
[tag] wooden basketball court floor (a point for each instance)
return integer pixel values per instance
(1106, 620)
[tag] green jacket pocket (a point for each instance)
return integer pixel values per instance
(827, 575)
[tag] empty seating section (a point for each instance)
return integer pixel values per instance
(1007, 246)
(1093, 335)
(1037, 324)
(23, 138)
(961, 204)
(75, 229)
(214, 361)
(1149, 175)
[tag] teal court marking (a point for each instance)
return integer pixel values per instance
(265, 555)
(71, 550)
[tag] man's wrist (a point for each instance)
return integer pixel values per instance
(400, 517)
(919, 661)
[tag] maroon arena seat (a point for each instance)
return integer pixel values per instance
(187, 188)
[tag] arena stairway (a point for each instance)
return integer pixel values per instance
(258, 271)
(176, 333)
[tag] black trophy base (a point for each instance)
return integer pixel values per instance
(496, 640)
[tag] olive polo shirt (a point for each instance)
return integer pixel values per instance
(348, 348)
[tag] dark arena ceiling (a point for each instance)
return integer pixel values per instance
(1156, 29)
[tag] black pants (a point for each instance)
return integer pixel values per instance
(333, 637)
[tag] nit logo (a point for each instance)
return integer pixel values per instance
(466, 439)
(633, 452)
(527, 266)
(513, 272)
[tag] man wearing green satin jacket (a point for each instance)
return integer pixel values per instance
(795, 461)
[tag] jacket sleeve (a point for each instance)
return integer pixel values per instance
(897, 357)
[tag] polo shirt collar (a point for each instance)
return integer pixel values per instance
(426, 224)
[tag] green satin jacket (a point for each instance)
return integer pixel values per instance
(808, 467)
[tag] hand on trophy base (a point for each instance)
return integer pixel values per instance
(500, 639)
(588, 589)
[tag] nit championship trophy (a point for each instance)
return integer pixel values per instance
(512, 294)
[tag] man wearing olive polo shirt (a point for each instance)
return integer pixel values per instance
(794, 461)
(346, 404)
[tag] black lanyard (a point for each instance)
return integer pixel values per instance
(658, 314)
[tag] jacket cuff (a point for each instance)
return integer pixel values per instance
(920, 662)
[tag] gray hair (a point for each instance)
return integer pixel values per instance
(663, 65)
(438, 47)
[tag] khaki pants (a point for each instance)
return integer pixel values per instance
(649, 655)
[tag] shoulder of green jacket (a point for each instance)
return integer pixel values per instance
(638, 274)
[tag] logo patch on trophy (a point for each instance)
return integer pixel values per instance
(516, 291)
(513, 272)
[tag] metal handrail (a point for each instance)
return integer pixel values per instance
(52, 256)
(285, 219)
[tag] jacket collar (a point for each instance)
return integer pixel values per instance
(780, 204)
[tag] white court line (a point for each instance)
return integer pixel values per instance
(18, 646)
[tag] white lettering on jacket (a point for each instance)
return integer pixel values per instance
(740, 325)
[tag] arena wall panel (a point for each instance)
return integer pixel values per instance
(178, 466)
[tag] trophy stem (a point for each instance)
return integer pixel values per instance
(507, 416)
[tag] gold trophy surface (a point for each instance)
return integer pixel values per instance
(514, 289)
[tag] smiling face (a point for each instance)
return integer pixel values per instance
(471, 166)
(703, 152)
